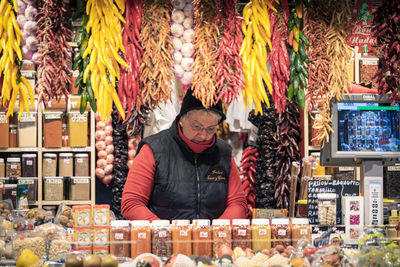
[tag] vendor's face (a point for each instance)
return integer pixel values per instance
(199, 125)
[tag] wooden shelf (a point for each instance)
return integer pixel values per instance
(67, 149)
(19, 149)
(67, 202)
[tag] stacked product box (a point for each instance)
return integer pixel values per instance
(101, 229)
(353, 218)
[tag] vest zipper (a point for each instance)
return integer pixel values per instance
(198, 187)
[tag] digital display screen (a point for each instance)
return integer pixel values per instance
(369, 127)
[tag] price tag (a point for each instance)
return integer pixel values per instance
(282, 232)
(222, 234)
(303, 231)
(242, 232)
(203, 234)
(29, 149)
(142, 235)
(183, 233)
(3, 118)
(262, 231)
(119, 236)
(162, 234)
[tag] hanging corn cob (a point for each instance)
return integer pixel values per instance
(10, 58)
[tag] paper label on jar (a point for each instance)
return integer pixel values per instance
(13, 193)
(242, 232)
(29, 162)
(183, 233)
(50, 116)
(53, 181)
(303, 231)
(13, 167)
(49, 160)
(326, 204)
(203, 234)
(162, 234)
(3, 119)
(80, 180)
(141, 235)
(76, 117)
(66, 161)
(26, 181)
(27, 117)
(282, 232)
(222, 234)
(119, 236)
(79, 160)
(262, 231)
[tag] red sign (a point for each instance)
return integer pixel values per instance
(361, 25)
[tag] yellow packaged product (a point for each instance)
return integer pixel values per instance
(101, 215)
(100, 251)
(83, 237)
(82, 215)
(101, 236)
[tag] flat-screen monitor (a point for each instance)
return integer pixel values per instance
(365, 127)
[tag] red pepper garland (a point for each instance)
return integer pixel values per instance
(229, 65)
(248, 170)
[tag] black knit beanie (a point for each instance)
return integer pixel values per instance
(190, 103)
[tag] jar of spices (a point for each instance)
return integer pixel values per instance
(13, 168)
(2, 168)
(202, 244)
(181, 237)
(280, 232)
(49, 165)
(79, 188)
(12, 140)
(119, 238)
(65, 165)
(222, 234)
(78, 129)
(161, 239)
(53, 188)
(4, 130)
(261, 234)
(241, 233)
(81, 164)
(140, 237)
(29, 166)
(300, 229)
(27, 130)
(52, 131)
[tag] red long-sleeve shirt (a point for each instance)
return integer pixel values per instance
(140, 181)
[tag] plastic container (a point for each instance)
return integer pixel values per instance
(327, 208)
(79, 188)
(49, 165)
(119, 238)
(12, 137)
(66, 165)
(81, 164)
(29, 165)
(140, 238)
(53, 188)
(2, 168)
(31, 184)
(4, 130)
(202, 242)
(222, 234)
(261, 234)
(317, 168)
(161, 239)
(13, 167)
(300, 229)
(241, 233)
(181, 237)
(78, 129)
(280, 232)
(52, 129)
(27, 130)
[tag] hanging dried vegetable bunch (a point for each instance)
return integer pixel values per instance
(229, 65)
(205, 45)
(156, 65)
(53, 73)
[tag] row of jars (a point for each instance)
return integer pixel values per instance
(163, 238)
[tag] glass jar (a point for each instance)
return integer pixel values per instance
(119, 237)
(300, 229)
(181, 237)
(161, 239)
(241, 233)
(81, 164)
(326, 208)
(66, 166)
(4, 130)
(2, 168)
(29, 166)
(49, 165)
(261, 234)
(280, 232)
(12, 140)
(65, 135)
(140, 237)
(53, 188)
(222, 234)
(52, 129)
(202, 244)
(27, 130)
(13, 168)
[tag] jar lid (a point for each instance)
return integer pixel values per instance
(280, 221)
(119, 223)
(138, 223)
(221, 222)
(13, 160)
(300, 221)
(81, 155)
(49, 155)
(160, 223)
(201, 222)
(241, 222)
(260, 221)
(327, 195)
(29, 155)
(180, 222)
(1, 160)
(66, 155)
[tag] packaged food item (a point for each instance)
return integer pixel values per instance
(66, 165)
(300, 229)
(101, 215)
(65, 216)
(83, 237)
(22, 197)
(27, 130)
(12, 137)
(79, 188)
(280, 232)
(81, 164)
(202, 243)
(49, 165)
(59, 249)
(326, 208)
(100, 236)
(30, 240)
(49, 231)
(39, 216)
(82, 215)
(4, 130)
(78, 127)
(161, 239)
(31, 185)
(53, 188)
(2, 168)
(140, 237)
(181, 237)
(29, 165)
(13, 167)
(241, 233)
(52, 130)
(222, 234)
(6, 206)
(261, 234)
(119, 238)
(21, 224)
(10, 193)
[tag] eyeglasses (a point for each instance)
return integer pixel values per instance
(198, 128)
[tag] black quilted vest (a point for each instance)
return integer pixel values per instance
(188, 185)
